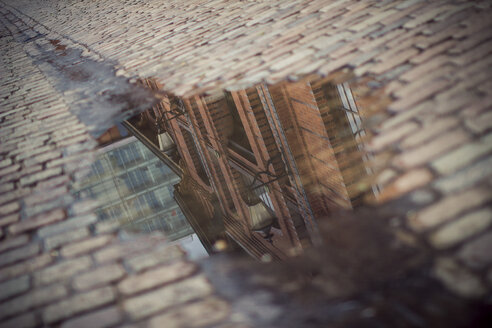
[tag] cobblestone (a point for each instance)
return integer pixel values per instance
(432, 59)
(162, 255)
(61, 271)
(5, 172)
(5, 187)
(462, 180)
(52, 183)
(142, 306)
(14, 176)
(42, 158)
(72, 223)
(84, 207)
(431, 130)
(77, 304)
(481, 123)
(382, 141)
(5, 162)
(462, 156)
(13, 242)
(14, 195)
(14, 287)
(44, 196)
(5, 221)
(57, 202)
(31, 149)
(405, 183)
(19, 254)
(25, 267)
(156, 277)
(458, 278)
(85, 246)
(449, 208)
(106, 226)
(100, 319)
(124, 249)
(200, 314)
(462, 228)
(35, 298)
(427, 152)
(9, 208)
(27, 320)
(37, 221)
(65, 238)
(43, 175)
(98, 277)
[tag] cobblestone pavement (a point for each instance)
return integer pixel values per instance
(56, 261)
(59, 267)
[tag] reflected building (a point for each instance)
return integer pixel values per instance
(134, 187)
(260, 166)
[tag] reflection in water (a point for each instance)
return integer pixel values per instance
(135, 188)
(255, 168)
(259, 167)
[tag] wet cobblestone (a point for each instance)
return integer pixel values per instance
(67, 72)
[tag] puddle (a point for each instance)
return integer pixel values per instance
(255, 170)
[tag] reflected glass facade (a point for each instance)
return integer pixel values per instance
(135, 188)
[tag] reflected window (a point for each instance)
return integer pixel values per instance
(351, 111)
(345, 129)
(98, 169)
(127, 156)
(137, 179)
(353, 115)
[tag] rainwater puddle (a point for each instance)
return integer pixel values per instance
(254, 170)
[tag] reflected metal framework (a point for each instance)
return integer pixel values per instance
(276, 157)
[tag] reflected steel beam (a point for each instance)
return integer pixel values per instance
(153, 148)
(281, 138)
